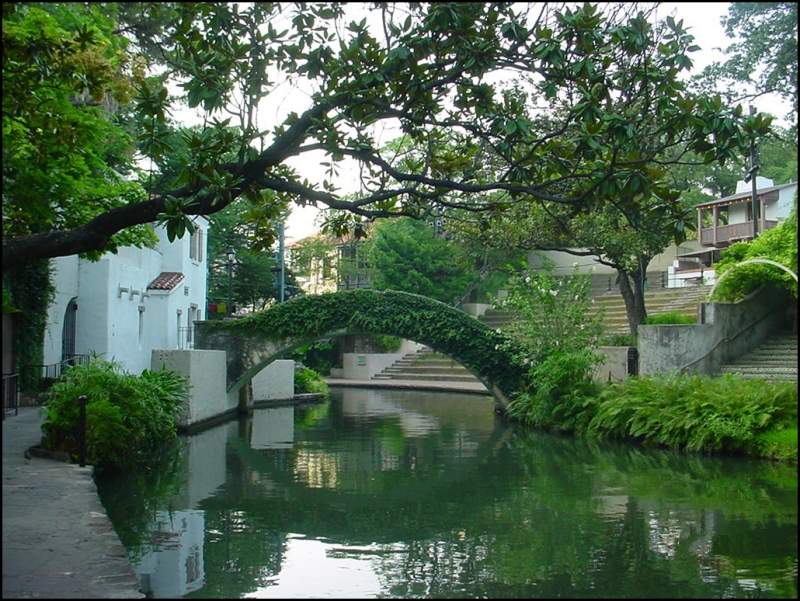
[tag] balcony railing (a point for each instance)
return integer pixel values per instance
(734, 232)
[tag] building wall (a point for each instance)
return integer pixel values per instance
(65, 284)
(780, 210)
(565, 262)
(126, 325)
(737, 213)
(134, 327)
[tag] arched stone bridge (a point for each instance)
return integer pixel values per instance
(254, 341)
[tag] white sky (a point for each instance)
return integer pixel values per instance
(702, 19)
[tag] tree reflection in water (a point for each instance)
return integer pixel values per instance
(431, 495)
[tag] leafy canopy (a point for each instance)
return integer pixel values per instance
(406, 255)
(589, 101)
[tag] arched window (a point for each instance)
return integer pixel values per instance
(68, 333)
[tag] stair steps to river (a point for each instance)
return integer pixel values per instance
(774, 359)
(426, 365)
(662, 300)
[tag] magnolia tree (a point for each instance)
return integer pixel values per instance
(510, 103)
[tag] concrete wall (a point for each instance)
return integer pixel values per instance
(565, 262)
(275, 381)
(475, 309)
(780, 210)
(357, 366)
(727, 331)
(65, 283)
(615, 364)
(206, 372)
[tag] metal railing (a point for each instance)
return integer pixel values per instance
(10, 394)
(54, 371)
(186, 338)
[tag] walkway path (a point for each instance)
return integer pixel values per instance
(57, 539)
(439, 386)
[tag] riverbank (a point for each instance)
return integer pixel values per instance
(707, 414)
(57, 539)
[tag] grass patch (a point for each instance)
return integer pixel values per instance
(618, 340)
(671, 318)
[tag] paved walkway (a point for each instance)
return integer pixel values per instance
(438, 386)
(57, 539)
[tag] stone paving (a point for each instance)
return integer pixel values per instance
(57, 539)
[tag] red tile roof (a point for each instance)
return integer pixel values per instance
(166, 280)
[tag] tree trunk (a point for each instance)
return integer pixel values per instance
(631, 287)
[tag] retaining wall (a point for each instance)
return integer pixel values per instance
(725, 332)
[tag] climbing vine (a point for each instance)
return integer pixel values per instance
(30, 291)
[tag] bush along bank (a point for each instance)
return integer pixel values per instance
(128, 418)
(307, 380)
(726, 414)
(557, 339)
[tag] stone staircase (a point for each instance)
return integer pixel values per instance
(775, 359)
(661, 300)
(426, 364)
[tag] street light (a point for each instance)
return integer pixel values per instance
(231, 257)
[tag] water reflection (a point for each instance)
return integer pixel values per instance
(173, 567)
(380, 493)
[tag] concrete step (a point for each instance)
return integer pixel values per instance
(457, 370)
(766, 362)
(425, 376)
(759, 369)
(430, 362)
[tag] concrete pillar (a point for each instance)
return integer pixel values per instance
(246, 399)
(715, 220)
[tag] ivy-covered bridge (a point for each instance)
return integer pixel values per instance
(254, 341)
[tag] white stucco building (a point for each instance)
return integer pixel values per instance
(127, 304)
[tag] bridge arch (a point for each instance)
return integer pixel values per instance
(253, 341)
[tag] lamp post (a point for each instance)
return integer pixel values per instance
(231, 257)
(282, 278)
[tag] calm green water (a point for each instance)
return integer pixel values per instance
(413, 494)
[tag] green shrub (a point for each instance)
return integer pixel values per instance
(671, 318)
(777, 443)
(777, 244)
(128, 418)
(697, 413)
(562, 392)
(556, 334)
(319, 355)
(386, 343)
(307, 380)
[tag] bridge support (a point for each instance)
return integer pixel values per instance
(246, 399)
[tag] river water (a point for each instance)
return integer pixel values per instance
(380, 493)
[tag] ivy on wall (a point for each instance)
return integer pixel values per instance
(411, 316)
(30, 291)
